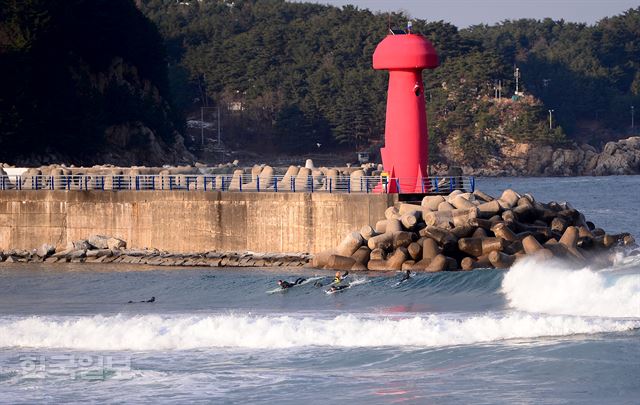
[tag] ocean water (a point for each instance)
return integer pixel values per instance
(539, 333)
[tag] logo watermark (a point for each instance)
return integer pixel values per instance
(75, 366)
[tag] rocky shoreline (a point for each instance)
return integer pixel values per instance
(523, 159)
(102, 249)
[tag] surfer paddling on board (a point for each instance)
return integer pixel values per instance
(335, 288)
(152, 299)
(337, 282)
(285, 284)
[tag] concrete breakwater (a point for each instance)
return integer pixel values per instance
(465, 231)
(186, 221)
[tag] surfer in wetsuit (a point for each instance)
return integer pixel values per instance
(338, 278)
(152, 299)
(406, 276)
(285, 284)
(335, 288)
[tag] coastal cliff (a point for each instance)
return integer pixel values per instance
(527, 159)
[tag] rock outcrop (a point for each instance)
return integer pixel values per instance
(105, 249)
(524, 159)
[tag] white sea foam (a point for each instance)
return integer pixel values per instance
(551, 288)
(154, 332)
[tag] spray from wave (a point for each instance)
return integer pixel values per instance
(153, 332)
(552, 288)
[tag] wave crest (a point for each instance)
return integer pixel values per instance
(552, 288)
(153, 332)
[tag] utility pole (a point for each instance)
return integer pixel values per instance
(551, 119)
(202, 126)
(497, 89)
(516, 74)
(219, 126)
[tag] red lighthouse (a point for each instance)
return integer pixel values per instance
(405, 155)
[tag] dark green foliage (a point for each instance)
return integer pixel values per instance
(582, 72)
(272, 55)
(298, 75)
(69, 69)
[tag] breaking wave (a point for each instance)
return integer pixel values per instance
(552, 288)
(156, 332)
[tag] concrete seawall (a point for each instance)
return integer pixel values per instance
(188, 221)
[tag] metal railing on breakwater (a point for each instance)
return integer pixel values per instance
(247, 182)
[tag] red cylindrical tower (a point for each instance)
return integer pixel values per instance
(405, 155)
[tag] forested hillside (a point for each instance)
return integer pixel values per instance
(82, 80)
(302, 74)
(78, 75)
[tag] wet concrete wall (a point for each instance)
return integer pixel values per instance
(187, 221)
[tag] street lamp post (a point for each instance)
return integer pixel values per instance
(516, 74)
(551, 119)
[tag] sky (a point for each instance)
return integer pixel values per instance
(464, 13)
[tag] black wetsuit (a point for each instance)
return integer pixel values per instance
(286, 284)
(153, 299)
(339, 287)
(406, 277)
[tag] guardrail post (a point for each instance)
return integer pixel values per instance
(310, 179)
(472, 181)
(258, 184)
(292, 183)
(275, 183)
(451, 180)
(330, 184)
(398, 185)
(349, 186)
